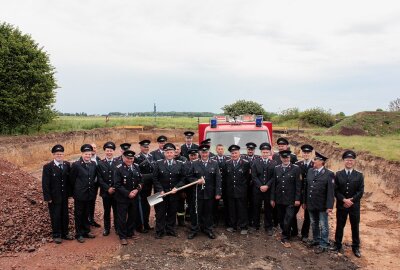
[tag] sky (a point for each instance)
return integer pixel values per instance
(124, 56)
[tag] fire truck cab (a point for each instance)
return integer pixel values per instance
(239, 130)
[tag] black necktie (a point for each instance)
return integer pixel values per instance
(205, 164)
(348, 174)
(234, 163)
(60, 166)
(265, 161)
(316, 172)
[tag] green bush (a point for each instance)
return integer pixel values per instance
(318, 117)
(289, 114)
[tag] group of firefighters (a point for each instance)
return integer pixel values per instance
(276, 184)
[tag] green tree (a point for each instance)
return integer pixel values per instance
(27, 83)
(241, 107)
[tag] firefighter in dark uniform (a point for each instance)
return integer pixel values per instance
(304, 165)
(105, 177)
(56, 190)
(237, 171)
(188, 144)
(92, 207)
(146, 165)
(262, 171)
(205, 192)
(123, 147)
(82, 179)
(180, 215)
(128, 183)
(286, 194)
(208, 142)
(283, 145)
(250, 157)
(159, 153)
(168, 175)
(318, 200)
(193, 156)
(349, 189)
(221, 158)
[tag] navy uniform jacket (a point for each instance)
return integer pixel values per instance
(83, 180)
(126, 180)
(221, 160)
(304, 170)
(55, 182)
(181, 158)
(349, 187)
(319, 192)
(237, 178)
(286, 186)
(277, 158)
(105, 176)
(212, 176)
(262, 174)
(157, 154)
(165, 177)
(146, 167)
(184, 149)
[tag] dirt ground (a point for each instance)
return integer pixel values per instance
(380, 236)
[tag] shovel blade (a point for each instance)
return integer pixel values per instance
(155, 198)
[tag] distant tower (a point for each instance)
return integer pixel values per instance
(155, 114)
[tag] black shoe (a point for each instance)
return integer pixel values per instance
(57, 240)
(95, 224)
(191, 235)
(357, 252)
(270, 232)
(211, 235)
(68, 237)
(80, 239)
(147, 227)
(89, 235)
(320, 250)
(172, 233)
(159, 235)
(106, 232)
(142, 230)
(336, 248)
(312, 244)
(304, 239)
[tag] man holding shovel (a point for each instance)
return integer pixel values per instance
(205, 192)
(169, 174)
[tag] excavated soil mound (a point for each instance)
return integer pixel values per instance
(24, 219)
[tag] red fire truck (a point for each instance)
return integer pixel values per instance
(239, 130)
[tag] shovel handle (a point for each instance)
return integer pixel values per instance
(182, 187)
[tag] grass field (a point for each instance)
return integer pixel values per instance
(70, 123)
(386, 146)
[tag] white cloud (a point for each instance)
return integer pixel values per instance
(295, 41)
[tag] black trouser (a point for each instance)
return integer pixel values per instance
(181, 205)
(144, 193)
(225, 199)
(92, 207)
(189, 201)
(201, 216)
(238, 212)
(126, 218)
(305, 229)
(258, 199)
(275, 218)
(108, 203)
(294, 229)
(341, 218)
(166, 214)
(250, 206)
(81, 218)
(286, 214)
(59, 218)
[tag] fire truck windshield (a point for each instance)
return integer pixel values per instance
(240, 138)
